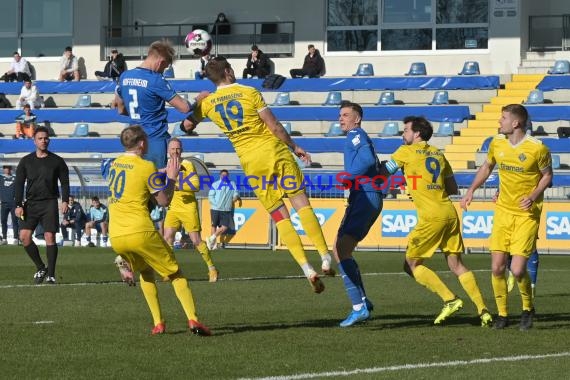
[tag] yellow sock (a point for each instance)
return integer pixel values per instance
(313, 229)
(184, 295)
(500, 290)
(205, 252)
(150, 292)
(431, 280)
(525, 290)
(289, 236)
(469, 284)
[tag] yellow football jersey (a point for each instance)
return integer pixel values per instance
(520, 169)
(426, 168)
(190, 183)
(130, 182)
(235, 110)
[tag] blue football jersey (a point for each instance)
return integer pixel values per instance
(144, 93)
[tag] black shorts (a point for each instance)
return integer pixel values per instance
(43, 212)
(221, 218)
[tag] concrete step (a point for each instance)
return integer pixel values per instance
(462, 165)
(486, 132)
(482, 124)
(533, 70)
(518, 93)
(468, 140)
(492, 108)
(527, 78)
(504, 100)
(537, 62)
(488, 116)
(531, 85)
(454, 148)
(460, 156)
(545, 55)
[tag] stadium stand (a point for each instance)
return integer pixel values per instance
(83, 101)
(282, 99)
(560, 67)
(386, 98)
(470, 68)
(334, 130)
(391, 129)
(81, 130)
(334, 98)
(440, 97)
(446, 128)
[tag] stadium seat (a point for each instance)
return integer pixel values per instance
(535, 97)
(391, 129)
(470, 68)
(364, 70)
(335, 130)
(84, 101)
(287, 126)
(334, 98)
(81, 130)
(440, 97)
(282, 99)
(386, 98)
(555, 161)
(560, 67)
(176, 131)
(486, 143)
(446, 128)
(168, 73)
(417, 68)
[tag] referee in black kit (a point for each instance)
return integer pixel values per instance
(40, 172)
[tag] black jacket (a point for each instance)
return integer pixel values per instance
(262, 62)
(314, 65)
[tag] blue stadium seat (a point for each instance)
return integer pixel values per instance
(287, 126)
(176, 131)
(555, 161)
(335, 130)
(81, 130)
(486, 143)
(535, 97)
(440, 97)
(386, 98)
(334, 98)
(470, 68)
(560, 67)
(83, 101)
(417, 68)
(168, 73)
(364, 70)
(446, 128)
(282, 99)
(391, 128)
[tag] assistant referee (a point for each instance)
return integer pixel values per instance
(40, 172)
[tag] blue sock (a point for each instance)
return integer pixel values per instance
(532, 266)
(352, 280)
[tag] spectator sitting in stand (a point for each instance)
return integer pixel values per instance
(98, 219)
(25, 123)
(74, 218)
(114, 68)
(69, 66)
(257, 64)
(29, 95)
(313, 66)
(221, 25)
(19, 70)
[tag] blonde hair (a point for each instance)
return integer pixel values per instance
(131, 136)
(163, 49)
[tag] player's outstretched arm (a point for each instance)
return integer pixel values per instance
(482, 174)
(277, 129)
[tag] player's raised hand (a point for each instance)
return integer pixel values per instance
(172, 168)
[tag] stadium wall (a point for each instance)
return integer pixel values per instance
(507, 36)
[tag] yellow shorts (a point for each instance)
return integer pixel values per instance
(187, 219)
(430, 234)
(146, 249)
(514, 234)
(274, 174)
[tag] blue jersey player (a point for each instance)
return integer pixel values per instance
(364, 205)
(141, 94)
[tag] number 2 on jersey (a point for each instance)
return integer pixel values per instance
(433, 167)
(117, 183)
(233, 111)
(134, 104)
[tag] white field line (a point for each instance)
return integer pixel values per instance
(276, 277)
(403, 367)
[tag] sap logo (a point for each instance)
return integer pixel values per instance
(398, 223)
(477, 224)
(323, 214)
(241, 216)
(558, 225)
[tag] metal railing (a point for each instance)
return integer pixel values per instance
(276, 39)
(549, 33)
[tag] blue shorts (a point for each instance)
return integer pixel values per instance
(157, 150)
(363, 209)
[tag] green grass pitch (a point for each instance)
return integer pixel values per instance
(267, 323)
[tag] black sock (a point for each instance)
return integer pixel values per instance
(34, 253)
(51, 251)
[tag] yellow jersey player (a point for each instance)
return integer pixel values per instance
(183, 210)
(430, 181)
(132, 182)
(262, 145)
(525, 171)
